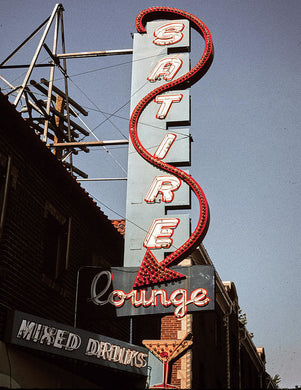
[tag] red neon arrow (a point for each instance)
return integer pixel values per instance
(152, 272)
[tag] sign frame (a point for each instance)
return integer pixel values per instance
(27, 330)
(106, 292)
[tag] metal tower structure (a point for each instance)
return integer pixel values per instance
(53, 118)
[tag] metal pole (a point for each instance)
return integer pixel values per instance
(24, 43)
(66, 84)
(35, 57)
(54, 49)
(104, 179)
(95, 53)
(8, 83)
(89, 143)
(165, 374)
(25, 66)
(131, 330)
(59, 123)
(29, 101)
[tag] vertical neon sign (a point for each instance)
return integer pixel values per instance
(155, 240)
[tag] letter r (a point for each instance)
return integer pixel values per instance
(166, 185)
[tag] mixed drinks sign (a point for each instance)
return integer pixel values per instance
(38, 333)
(111, 294)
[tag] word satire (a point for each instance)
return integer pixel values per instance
(179, 298)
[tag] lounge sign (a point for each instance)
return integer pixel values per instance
(38, 333)
(109, 293)
(159, 144)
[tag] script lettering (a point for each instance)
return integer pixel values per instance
(179, 298)
(168, 34)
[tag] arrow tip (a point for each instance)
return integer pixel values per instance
(152, 272)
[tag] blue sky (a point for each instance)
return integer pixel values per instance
(245, 121)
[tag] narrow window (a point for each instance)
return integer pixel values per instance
(57, 241)
(4, 182)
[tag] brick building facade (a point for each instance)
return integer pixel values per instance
(223, 354)
(49, 228)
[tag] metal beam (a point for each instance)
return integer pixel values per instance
(95, 53)
(88, 143)
(15, 88)
(25, 66)
(104, 179)
(35, 57)
(45, 92)
(76, 170)
(51, 76)
(63, 95)
(72, 123)
(24, 43)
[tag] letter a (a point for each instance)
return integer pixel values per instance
(167, 67)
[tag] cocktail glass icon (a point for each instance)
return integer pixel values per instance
(166, 351)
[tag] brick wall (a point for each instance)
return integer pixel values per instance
(173, 328)
(40, 185)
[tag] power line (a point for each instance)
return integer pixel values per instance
(123, 217)
(99, 110)
(111, 66)
(125, 104)
(105, 148)
(108, 115)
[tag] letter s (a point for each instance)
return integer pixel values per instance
(140, 360)
(168, 34)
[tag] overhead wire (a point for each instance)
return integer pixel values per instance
(108, 117)
(95, 136)
(90, 130)
(124, 218)
(111, 66)
(176, 131)
(94, 197)
(99, 110)
(120, 108)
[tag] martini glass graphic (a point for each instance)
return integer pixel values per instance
(166, 351)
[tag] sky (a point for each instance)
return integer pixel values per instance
(246, 154)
